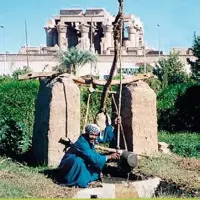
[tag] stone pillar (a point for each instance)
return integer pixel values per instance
(55, 37)
(57, 115)
(62, 36)
(107, 29)
(50, 36)
(141, 35)
(132, 35)
(84, 41)
(137, 36)
(139, 118)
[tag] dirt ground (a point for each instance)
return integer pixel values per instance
(19, 180)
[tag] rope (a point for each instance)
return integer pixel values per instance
(87, 111)
(120, 88)
(120, 63)
(122, 129)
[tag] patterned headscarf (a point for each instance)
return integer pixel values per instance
(92, 128)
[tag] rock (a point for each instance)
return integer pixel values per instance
(163, 148)
(107, 191)
(122, 191)
(162, 145)
(146, 188)
(139, 118)
(57, 115)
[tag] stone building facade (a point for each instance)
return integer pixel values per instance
(93, 30)
(90, 30)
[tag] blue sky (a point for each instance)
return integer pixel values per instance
(178, 19)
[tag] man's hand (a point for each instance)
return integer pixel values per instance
(114, 156)
(118, 120)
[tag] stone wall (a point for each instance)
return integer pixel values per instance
(39, 63)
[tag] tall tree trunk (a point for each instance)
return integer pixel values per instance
(108, 83)
(117, 36)
(74, 69)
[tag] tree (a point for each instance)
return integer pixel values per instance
(20, 71)
(195, 65)
(154, 82)
(73, 59)
(141, 69)
(170, 70)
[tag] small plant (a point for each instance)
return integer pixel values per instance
(20, 71)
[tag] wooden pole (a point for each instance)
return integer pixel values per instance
(116, 37)
(26, 34)
(120, 86)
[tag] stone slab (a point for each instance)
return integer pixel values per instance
(107, 191)
(139, 118)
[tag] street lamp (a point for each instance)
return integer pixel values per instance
(158, 25)
(4, 48)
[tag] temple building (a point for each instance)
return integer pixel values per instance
(93, 30)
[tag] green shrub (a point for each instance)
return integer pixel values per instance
(178, 107)
(184, 144)
(14, 138)
(154, 83)
(21, 71)
(17, 115)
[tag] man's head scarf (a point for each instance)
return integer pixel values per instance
(92, 129)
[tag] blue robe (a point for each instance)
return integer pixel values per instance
(108, 136)
(81, 164)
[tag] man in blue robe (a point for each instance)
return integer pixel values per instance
(81, 164)
(107, 132)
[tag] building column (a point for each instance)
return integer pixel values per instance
(50, 36)
(85, 41)
(137, 38)
(107, 29)
(62, 36)
(132, 35)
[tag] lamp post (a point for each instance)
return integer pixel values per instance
(4, 47)
(158, 25)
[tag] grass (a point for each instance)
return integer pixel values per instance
(22, 181)
(184, 173)
(18, 181)
(184, 144)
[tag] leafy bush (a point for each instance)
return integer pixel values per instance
(154, 83)
(17, 115)
(179, 107)
(184, 144)
(14, 138)
(5, 78)
(20, 71)
(170, 70)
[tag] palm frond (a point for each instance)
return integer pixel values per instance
(76, 57)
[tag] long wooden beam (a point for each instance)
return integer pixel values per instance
(37, 75)
(79, 80)
(66, 141)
